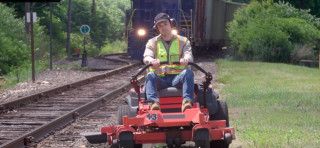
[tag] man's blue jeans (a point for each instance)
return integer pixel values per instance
(183, 80)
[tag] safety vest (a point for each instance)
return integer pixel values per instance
(175, 51)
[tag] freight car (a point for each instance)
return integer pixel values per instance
(203, 22)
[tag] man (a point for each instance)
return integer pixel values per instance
(168, 47)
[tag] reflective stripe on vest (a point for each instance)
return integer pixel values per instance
(175, 51)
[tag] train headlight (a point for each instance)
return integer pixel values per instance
(141, 32)
(174, 32)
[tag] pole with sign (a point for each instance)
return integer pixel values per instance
(30, 19)
(84, 29)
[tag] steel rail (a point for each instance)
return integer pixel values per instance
(105, 57)
(33, 137)
(22, 101)
(115, 60)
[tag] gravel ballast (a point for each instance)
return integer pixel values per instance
(58, 76)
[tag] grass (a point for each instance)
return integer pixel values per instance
(24, 75)
(272, 105)
(114, 47)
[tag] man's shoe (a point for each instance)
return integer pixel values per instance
(186, 104)
(155, 106)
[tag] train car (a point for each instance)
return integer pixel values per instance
(203, 22)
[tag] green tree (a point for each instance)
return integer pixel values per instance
(270, 31)
(313, 5)
(14, 44)
(107, 25)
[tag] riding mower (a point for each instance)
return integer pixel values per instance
(207, 123)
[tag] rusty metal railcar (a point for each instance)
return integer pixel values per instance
(217, 14)
(203, 22)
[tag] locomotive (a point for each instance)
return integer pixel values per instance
(203, 22)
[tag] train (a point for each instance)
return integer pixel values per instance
(203, 22)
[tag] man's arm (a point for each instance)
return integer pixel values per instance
(148, 55)
(187, 52)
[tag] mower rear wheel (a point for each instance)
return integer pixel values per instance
(201, 138)
(221, 114)
(122, 111)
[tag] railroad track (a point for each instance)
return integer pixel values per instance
(28, 120)
(114, 60)
(70, 136)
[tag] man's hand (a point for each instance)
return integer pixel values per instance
(183, 62)
(155, 62)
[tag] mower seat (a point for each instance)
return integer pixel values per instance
(170, 99)
(170, 92)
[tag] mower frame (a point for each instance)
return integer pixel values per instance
(172, 128)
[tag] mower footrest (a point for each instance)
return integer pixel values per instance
(96, 137)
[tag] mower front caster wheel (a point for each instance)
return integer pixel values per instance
(127, 141)
(201, 138)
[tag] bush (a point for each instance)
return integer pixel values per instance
(23, 72)
(114, 47)
(76, 40)
(270, 31)
(15, 43)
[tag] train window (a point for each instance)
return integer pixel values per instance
(147, 15)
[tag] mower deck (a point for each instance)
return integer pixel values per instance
(150, 127)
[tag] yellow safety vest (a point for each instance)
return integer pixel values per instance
(174, 55)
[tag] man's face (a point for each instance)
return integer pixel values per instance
(164, 27)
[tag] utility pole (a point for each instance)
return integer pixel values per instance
(51, 35)
(32, 47)
(93, 8)
(68, 28)
(26, 9)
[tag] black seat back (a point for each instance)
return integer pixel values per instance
(170, 92)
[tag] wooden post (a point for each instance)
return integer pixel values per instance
(32, 46)
(27, 9)
(68, 28)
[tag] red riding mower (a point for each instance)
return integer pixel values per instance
(207, 123)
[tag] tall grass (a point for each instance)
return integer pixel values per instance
(272, 105)
(114, 47)
(24, 73)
